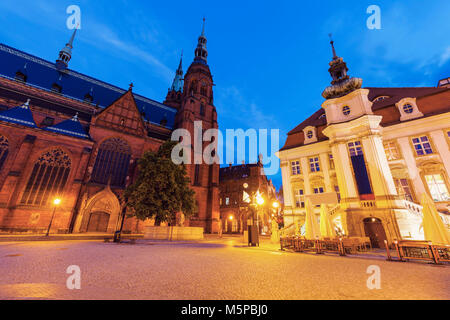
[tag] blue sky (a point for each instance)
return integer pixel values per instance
(269, 59)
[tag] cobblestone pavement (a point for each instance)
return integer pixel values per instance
(212, 269)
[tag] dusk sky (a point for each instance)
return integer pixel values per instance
(269, 59)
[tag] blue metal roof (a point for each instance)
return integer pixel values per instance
(70, 127)
(43, 74)
(20, 115)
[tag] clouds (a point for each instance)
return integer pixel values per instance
(445, 56)
(97, 30)
(242, 111)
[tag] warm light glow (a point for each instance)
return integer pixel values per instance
(275, 204)
(56, 201)
(231, 218)
(259, 200)
(245, 185)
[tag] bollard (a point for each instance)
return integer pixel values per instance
(389, 258)
(398, 251)
(341, 247)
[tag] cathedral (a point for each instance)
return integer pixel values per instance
(65, 135)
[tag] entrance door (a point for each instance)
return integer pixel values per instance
(98, 222)
(375, 231)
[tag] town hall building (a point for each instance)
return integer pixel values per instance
(370, 154)
(69, 136)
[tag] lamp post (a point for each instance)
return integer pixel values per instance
(56, 202)
(254, 200)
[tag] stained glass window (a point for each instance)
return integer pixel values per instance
(112, 162)
(48, 178)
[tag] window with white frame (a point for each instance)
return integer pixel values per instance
(355, 148)
(346, 110)
(299, 198)
(314, 164)
(422, 146)
(338, 193)
(403, 189)
(391, 151)
(318, 190)
(408, 108)
(331, 162)
(227, 201)
(295, 166)
(437, 187)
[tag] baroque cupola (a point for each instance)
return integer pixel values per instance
(341, 84)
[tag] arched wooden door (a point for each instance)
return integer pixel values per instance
(98, 222)
(375, 231)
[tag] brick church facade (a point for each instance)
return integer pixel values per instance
(66, 135)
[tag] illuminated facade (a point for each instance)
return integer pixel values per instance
(369, 153)
(67, 135)
(234, 209)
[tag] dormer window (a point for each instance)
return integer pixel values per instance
(56, 88)
(310, 134)
(48, 121)
(20, 76)
(408, 109)
(346, 110)
(380, 98)
(88, 98)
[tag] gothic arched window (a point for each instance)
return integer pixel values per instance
(112, 162)
(4, 149)
(48, 178)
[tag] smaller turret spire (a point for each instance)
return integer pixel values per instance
(177, 84)
(66, 53)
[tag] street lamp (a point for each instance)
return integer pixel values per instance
(254, 201)
(56, 202)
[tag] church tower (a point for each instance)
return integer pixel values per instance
(196, 105)
(174, 95)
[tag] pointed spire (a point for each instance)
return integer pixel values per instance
(75, 117)
(72, 38)
(177, 84)
(26, 105)
(201, 53)
(203, 28)
(66, 53)
(332, 47)
(180, 67)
